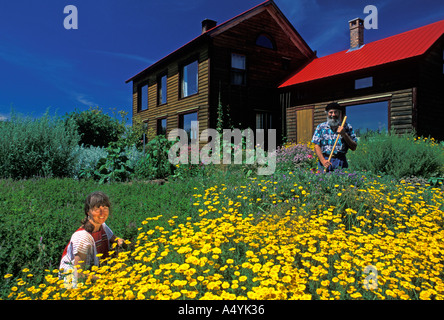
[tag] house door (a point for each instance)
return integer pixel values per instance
(304, 125)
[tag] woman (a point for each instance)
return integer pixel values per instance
(92, 238)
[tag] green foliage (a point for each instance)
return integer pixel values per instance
(37, 147)
(96, 128)
(155, 164)
(398, 156)
(38, 217)
(133, 135)
(87, 159)
(115, 167)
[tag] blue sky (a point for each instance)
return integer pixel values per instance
(43, 65)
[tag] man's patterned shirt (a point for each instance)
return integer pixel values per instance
(325, 138)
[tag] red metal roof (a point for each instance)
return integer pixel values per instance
(402, 46)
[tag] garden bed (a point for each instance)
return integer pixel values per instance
(298, 235)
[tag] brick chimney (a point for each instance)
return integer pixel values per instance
(356, 33)
(208, 24)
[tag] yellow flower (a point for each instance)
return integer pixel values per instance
(176, 295)
(356, 295)
(325, 283)
(286, 279)
(140, 296)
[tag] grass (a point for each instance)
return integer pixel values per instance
(293, 235)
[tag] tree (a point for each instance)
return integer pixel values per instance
(95, 127)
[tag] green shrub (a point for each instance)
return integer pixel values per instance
(95, 127)
(87, 159)
(115, 167)
(37, 147)
(398, 155)
(155, 164)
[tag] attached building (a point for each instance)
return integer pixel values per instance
(394, 83)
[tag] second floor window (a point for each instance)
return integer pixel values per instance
(143, 97)
(189, 83)
(364, 83)
(162, 90)
(238, 69)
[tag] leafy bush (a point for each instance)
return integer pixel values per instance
(155, 164)
(398, 155)
(87, 159)
(115, 167)
(37, 147)
(96, 128)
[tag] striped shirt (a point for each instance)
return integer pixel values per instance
(89, 244)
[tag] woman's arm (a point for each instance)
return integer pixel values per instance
(119, 241)
(79, 263)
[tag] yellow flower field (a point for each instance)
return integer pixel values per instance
(387, 245)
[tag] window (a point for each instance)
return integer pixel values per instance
(364, 83)
(142, 94)
(162, 127)
(238, 69)
(189, 123)
(189, 83)
(265, 42)
(286, 63)
(368, 117)
(162, 90)
(263, 120)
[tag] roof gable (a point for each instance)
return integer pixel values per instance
(277, 15)
(268, 5)
(399, 47)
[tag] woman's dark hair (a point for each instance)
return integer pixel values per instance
(93, 200)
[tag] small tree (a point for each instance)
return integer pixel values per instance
(96, 128)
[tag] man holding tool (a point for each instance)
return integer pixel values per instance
(333, 139)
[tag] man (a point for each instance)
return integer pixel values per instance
(325, 135)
